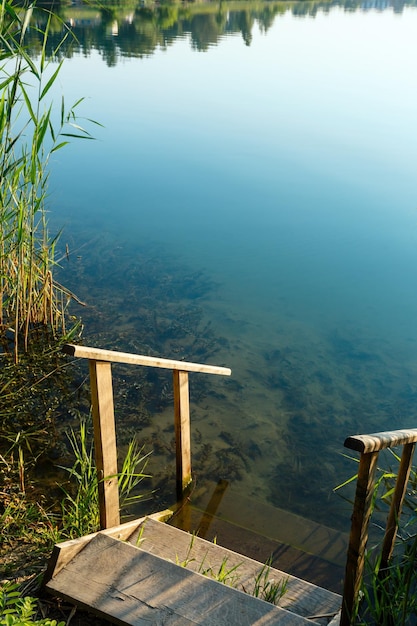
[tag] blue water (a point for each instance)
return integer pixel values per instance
(286, 171)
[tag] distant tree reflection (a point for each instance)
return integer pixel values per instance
(121, 28)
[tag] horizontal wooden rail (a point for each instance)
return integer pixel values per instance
(380, 441)
(369, 446)
(109, 356)
(100, 365)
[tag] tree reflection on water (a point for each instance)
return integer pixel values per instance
(138, 29)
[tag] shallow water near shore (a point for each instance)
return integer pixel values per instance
(254, 206)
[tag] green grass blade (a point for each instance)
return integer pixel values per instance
(29, 104)
(59, 146)
(43, 126)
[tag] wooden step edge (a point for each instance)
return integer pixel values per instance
(135, 539)
(295, 600)
(196, 539)
(63, 552)
(332, 543)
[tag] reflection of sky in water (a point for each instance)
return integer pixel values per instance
(286, 168)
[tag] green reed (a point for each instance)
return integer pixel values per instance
(31, 131)
(30, 524)
(30, 518)
(80, 507)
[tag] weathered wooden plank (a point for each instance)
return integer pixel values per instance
(132, 587)
(302, 597)
(111, 356)
(379, 441)
(182, 431)
(66, 550)
(105, 442)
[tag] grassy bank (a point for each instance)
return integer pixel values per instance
(34, 318)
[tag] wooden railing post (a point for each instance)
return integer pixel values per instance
(358, 534)
(103, 415)
(105, 442)
(369, 447)
(396, 503)
(182, 430)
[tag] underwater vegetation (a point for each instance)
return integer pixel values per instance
(138, 300)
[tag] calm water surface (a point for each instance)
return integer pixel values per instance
(278, 165)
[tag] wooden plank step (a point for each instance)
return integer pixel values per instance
(269, 521)
(196, 554)
(297, 545)
(131, 587)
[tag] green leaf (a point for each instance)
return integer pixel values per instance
(76, 136)
(59, 146)
(28, 17)
(42, 128)
(347, 482)
(62, 111)
(6, 82)
(52, 131)
(50, 82)
(94, 122)
(10, 10)
(29, 105)
(30, 63)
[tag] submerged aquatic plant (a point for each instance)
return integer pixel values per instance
(30, 132)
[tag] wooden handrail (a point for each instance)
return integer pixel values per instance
(380, 441)
(100, 362)
(110, 356)
(369, 446)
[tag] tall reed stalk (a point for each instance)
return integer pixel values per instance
(30, 132)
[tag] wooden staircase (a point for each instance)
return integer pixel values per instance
(149, 573)
(132, 574)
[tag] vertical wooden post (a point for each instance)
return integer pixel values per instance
(182, 430)
(396, 503)
(105, 442)
(358, 534)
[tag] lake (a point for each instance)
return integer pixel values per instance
(250, 201)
